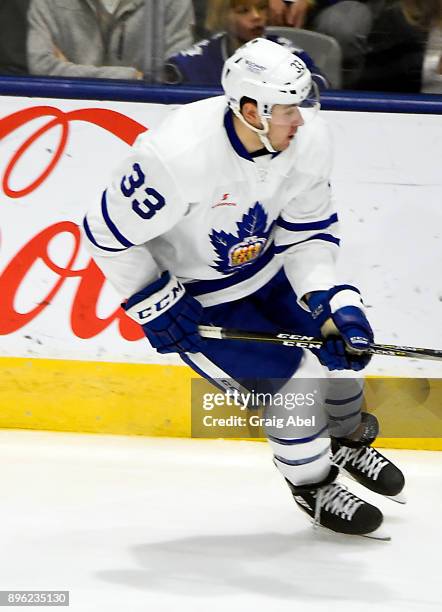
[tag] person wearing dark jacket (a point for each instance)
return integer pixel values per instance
(232, 23)
(13, 32)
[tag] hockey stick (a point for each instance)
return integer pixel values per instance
(309, 342)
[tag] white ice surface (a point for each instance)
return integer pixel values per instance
(130, 524)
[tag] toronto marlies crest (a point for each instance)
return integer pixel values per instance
(236, 251)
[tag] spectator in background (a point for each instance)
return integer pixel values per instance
(423, 13)
(348, 21)
(101, 38)
(200, 7)
(427, 14)
(277, 12)
(432, 66)
(396, 50)
(233, 23)
(13, 31)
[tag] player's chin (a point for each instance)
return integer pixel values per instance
(285, 143)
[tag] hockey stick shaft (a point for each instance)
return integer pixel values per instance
(310, 342)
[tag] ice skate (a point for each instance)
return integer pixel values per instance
(367, 465)
(333, 507)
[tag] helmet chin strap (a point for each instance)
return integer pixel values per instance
(262, 132)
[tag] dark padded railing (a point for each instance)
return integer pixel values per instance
(130, 91)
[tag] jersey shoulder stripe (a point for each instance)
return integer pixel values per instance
(111, 225)
(92, 239)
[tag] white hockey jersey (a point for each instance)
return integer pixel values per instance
(191, 200)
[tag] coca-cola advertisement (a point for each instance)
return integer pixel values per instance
(55, 158)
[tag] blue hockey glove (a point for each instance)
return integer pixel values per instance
(168, 315)
(344, 327)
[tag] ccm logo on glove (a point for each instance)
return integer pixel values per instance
(153, 300)
(174, 291)
(168, 315)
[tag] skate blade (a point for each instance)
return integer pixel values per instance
(400, 498)
(378, 534)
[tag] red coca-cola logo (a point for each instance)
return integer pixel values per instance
(84, 320)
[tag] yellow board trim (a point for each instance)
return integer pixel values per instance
(154, 400)
(95, 397)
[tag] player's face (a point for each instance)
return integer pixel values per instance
(246, 19)
(285, 121)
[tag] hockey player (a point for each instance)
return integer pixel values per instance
(223, 215)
